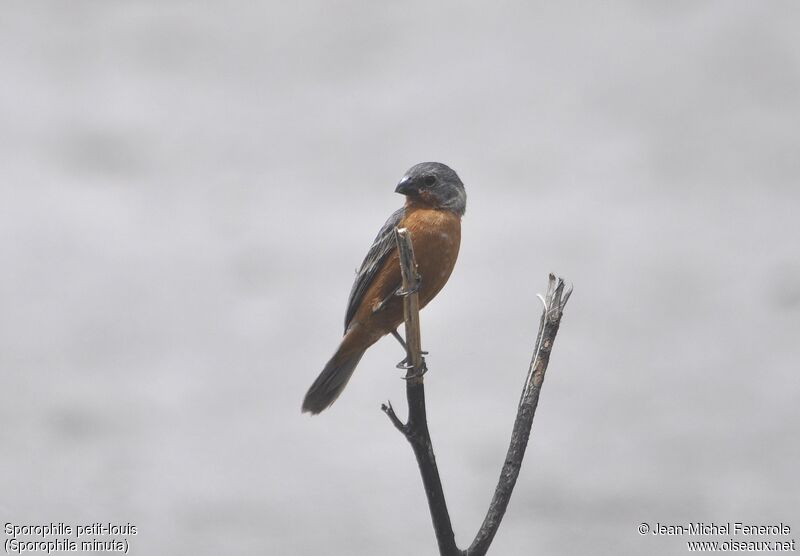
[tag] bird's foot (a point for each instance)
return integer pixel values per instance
(404, 364)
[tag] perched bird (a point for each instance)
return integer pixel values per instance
(435, 203)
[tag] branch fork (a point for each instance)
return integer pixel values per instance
(415, 429)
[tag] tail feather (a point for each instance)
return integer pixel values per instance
(331, 381)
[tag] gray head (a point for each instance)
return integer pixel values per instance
(435, 184)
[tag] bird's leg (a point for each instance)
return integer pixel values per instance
(382, 303)
(398, 292)
(399, 338)
(404, 363)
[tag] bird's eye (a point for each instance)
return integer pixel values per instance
(430, 180)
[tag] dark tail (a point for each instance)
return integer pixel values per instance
(331, 381)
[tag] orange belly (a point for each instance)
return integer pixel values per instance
(436, 236)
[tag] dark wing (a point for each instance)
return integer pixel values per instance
(383, 245)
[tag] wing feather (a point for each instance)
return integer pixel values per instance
(383, 245)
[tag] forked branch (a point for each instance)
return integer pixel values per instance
(416, 428)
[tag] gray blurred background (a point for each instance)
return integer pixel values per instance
(187, 188)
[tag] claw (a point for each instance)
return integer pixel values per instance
(423, 369)
(404, 364)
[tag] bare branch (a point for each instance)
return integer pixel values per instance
(554, 303)
(416, 429)
(389, 411)
(411, 281)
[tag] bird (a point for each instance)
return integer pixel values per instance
(435, 202)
